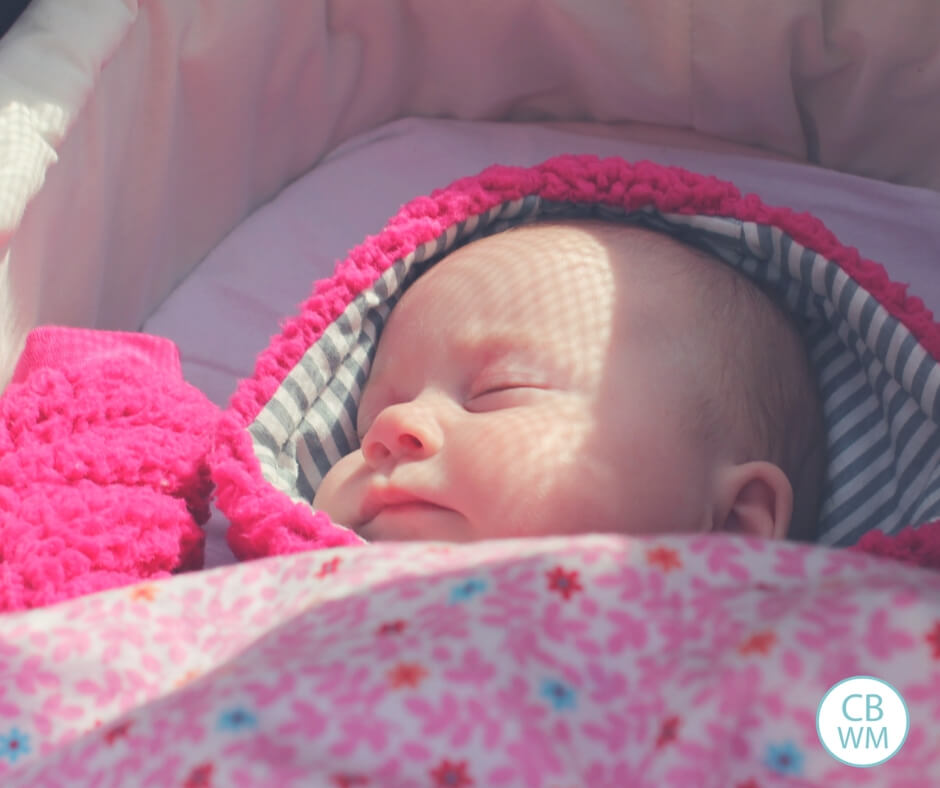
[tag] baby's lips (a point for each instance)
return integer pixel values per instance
(380, 497)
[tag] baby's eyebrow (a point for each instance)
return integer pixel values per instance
(499, 345)
(491, 342)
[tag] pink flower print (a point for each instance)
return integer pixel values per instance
(564, 583)
(612, 731)
(628, 632)
(306, 722)
(605, 686)
(263, 694)
(442, 621)
(790, 561)
(14, 744)
(925, 695)
(534, 757)
(479, 717)
(166, 773)
(882, 641)
(368, 730)
(721, 560)
(434, 719)
(555, 626)
(119, 638)
(263, 749)
(70, 642)
(511, 703)
(602, 774)
(104, 693)
(933, 639)
(199, 777)
(54, 711)
(524, 646)
(675, 632)
(7, 709)
(298, 569)
(31, 677)
(792, 664)
(822, 627)
(345, 613)
(473, 669)
(451, 774)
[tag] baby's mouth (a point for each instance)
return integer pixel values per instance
(392, 500)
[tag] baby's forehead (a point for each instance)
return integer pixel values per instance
(570, 288)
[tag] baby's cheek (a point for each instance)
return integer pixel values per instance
(330, 497)
(546, 488)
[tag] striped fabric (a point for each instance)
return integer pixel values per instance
(879, 386)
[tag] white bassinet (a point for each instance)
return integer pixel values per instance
(190, 167)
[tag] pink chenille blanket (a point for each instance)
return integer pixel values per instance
(559, 662)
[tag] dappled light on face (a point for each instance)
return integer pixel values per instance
(511, 396)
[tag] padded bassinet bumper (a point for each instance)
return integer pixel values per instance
(134, 135)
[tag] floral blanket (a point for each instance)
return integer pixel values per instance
(587, 661)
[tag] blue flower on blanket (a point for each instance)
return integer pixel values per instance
(237, 719)
(562, 696)
(468, 589)
(784, 759)
(14, 745)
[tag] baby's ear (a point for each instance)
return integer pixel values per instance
(753, 498)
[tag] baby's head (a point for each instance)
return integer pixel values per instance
(581, 377)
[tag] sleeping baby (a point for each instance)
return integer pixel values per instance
(582, 376)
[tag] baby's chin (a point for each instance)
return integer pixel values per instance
(415, 522)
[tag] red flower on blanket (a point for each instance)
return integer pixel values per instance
(349, 780)
(668, 731)
(451, 775)
(406, 674)
(665, 558)
(199, 777)
(565, 583)
(758, 643)
(329, 567)
(748, 784)
(933, 638)
(119, 731)
(392, 627)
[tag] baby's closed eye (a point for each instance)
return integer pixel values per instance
(505, 387)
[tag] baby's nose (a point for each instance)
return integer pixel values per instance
(405, 431)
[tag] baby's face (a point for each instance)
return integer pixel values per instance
(518, 390)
